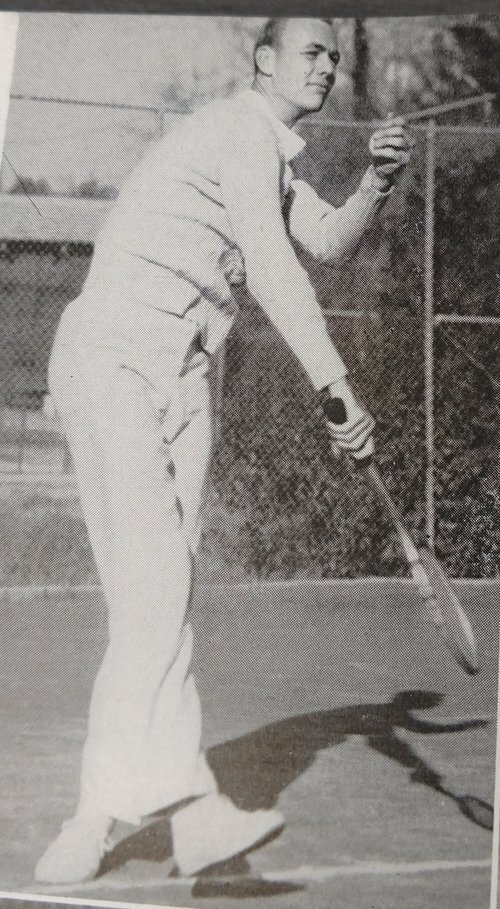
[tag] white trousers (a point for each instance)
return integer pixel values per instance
(131, 386)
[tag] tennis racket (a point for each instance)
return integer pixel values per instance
(440, 601)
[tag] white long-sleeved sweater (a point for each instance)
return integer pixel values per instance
(205, 207)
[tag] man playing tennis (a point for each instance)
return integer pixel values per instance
(204, 210)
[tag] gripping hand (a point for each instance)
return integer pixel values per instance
(349, 424)
(390, 149)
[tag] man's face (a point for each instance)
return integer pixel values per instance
(304, 63)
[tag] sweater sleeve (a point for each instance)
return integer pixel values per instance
(250, 177)
(333, 235)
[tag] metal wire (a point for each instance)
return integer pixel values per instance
(111, 105)
(473, 360)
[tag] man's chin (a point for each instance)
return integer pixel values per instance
(315, 105)
(315, 101)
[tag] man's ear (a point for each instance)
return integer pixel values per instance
(264, 59)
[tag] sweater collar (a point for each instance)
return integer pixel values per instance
(290, 143)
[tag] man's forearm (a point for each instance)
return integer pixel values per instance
(286, 295)
(333, 235)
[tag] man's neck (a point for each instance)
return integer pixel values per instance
(281, 107)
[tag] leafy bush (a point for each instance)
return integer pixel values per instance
(303, 514)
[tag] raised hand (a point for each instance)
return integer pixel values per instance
(390, 148)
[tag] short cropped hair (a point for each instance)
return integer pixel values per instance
(271, 32)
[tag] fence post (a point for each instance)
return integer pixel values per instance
(430, 200)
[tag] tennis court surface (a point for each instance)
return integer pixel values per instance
(334, 701)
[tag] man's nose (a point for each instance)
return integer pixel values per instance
(326, 65)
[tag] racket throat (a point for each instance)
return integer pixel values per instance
(432, 609)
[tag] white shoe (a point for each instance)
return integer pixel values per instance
(75, 855)
(212, 829)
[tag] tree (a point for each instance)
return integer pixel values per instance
(479, 48)
(431, 61)
(31, 186)
(92, 189)
(361, 70)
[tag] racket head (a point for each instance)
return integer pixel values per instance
(455, 627)
(477, 810)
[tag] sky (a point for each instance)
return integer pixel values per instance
(120, 59)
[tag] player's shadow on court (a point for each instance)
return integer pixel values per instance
(254, 769)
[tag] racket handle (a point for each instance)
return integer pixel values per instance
(335, 412)
(362, 463)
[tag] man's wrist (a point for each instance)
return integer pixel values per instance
(383, 183)
(338, 388)
(376, 185)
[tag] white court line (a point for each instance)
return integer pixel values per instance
(302, 874)
(328, 872)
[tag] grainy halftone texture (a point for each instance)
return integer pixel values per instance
(331, 698)
(335, 702)
(280, 505)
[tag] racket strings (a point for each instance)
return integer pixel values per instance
(457, 630)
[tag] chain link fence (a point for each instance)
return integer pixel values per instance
(280, 505)
(37, 279)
